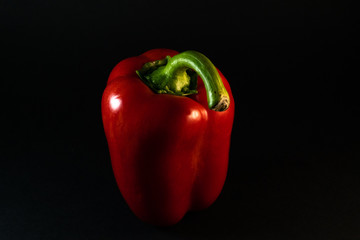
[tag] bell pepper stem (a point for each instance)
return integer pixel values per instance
(173, 77)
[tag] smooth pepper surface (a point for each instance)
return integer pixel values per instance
(169, 152)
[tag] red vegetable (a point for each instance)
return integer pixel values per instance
(168, 132)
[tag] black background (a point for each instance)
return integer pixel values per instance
(292, 66)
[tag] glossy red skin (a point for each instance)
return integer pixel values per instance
(169, 153)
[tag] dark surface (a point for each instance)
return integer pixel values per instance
(292, 66)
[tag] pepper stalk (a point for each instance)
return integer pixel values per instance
(177, 75)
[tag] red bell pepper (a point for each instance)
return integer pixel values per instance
(168, 132)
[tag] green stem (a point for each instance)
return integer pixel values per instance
(175, 77)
